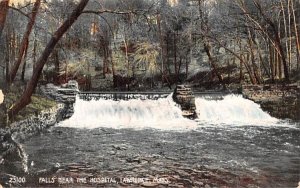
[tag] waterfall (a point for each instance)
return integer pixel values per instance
(165, 114)
(161, 114)
(234, 110)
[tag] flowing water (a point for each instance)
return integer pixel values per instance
(150, 137)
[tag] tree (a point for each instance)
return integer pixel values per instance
(25, 41)
(3, 12)
(31, 85)
(205, 30)
(263, 22)
(276, 36)
(147, 53)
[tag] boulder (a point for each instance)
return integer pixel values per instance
(184, 96)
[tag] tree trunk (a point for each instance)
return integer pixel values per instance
(250, 70)
(7, 54)
(213, 64)
(276, 33)
(285, 26)
(279, 64)
(56, 67)
(126, 56)
(175, 56)
(24, 66)
(179, 68)
(296, 34)
(290, 37)
(7, 57)
(241, 72)
(34, 52)
(113, 69)
(25, 41)
(186, 68)
(3, 12)
(11, 50)
(240, 57)
(26, 96)
(252, 56)
(161, 42)
(13, 45)
(105, 64)
(272, 61)
(262, 62)
(167, 55)
(276, 57)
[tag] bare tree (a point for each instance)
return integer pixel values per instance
(3, 12)
(25, 41)
(269, 28)
(26, 96)
(296, 21)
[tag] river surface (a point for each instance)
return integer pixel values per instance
(233, 143)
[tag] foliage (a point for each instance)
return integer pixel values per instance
(76, 69)
(148, 53)
(174, 33)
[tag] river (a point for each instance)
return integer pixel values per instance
(233, 143)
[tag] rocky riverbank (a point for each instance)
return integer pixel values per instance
(13, 159)
(280, 101)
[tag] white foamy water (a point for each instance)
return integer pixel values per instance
(164, 114)
(135, 113)
(234, 110)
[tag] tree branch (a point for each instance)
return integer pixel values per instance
(105, 11)
(20, 11)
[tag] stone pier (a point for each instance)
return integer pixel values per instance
(65, 94)
(184, 96)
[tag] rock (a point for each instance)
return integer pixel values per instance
(119, 147)
(280, 101)
(184, 96)
(73, 84)
(134, 160)
(65, 94)
(13, 159)
(70, 89)
(199, 184)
